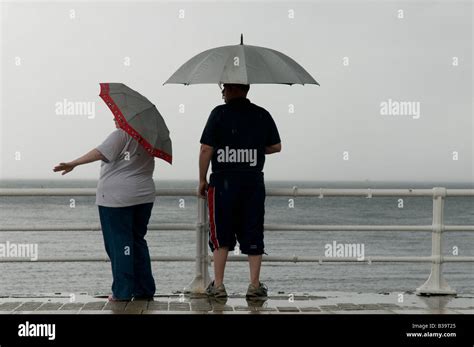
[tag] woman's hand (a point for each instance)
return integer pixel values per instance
(65, 167)
(89, 157)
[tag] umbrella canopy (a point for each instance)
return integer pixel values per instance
(241, 64)
(139, 118)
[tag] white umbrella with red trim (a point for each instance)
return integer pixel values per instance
(136, 115)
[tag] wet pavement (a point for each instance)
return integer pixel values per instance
(317, 303)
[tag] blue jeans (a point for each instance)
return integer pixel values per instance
(124, 230)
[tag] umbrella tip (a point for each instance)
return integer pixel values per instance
(241, 39)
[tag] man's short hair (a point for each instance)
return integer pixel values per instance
(242, 87)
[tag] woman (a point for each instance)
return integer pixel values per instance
(125, 197)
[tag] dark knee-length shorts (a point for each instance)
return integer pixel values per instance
(236, 204)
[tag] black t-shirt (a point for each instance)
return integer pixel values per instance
(239, 131)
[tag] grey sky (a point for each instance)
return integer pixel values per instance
(47, 57)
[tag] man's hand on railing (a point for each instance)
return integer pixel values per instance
(205, 155)
(202, 189)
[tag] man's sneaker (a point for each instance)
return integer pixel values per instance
(216, 292)
(259, 292)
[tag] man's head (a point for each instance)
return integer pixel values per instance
(234, 91)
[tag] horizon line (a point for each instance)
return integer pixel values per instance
(267, 180)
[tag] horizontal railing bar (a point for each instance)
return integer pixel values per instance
(458, 227)
(456, 259)
(305, 259)
(309, 227)
(374, 259)
(96, 227)
(84, 192)
(307, 192)
(268, 227)
(242, 258)
(89, 259)
(289, 192)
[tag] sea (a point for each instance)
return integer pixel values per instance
(95, 278)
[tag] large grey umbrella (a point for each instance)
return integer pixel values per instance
(241, 64)
(139, 118)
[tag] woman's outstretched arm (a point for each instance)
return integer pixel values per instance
(89, 157)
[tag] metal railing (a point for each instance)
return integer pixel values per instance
(435, 285)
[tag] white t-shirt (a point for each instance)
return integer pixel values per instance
(126, 178)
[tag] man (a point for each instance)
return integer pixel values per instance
(236, 138)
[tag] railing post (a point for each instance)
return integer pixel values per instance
(201, 278)
(436, 284)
